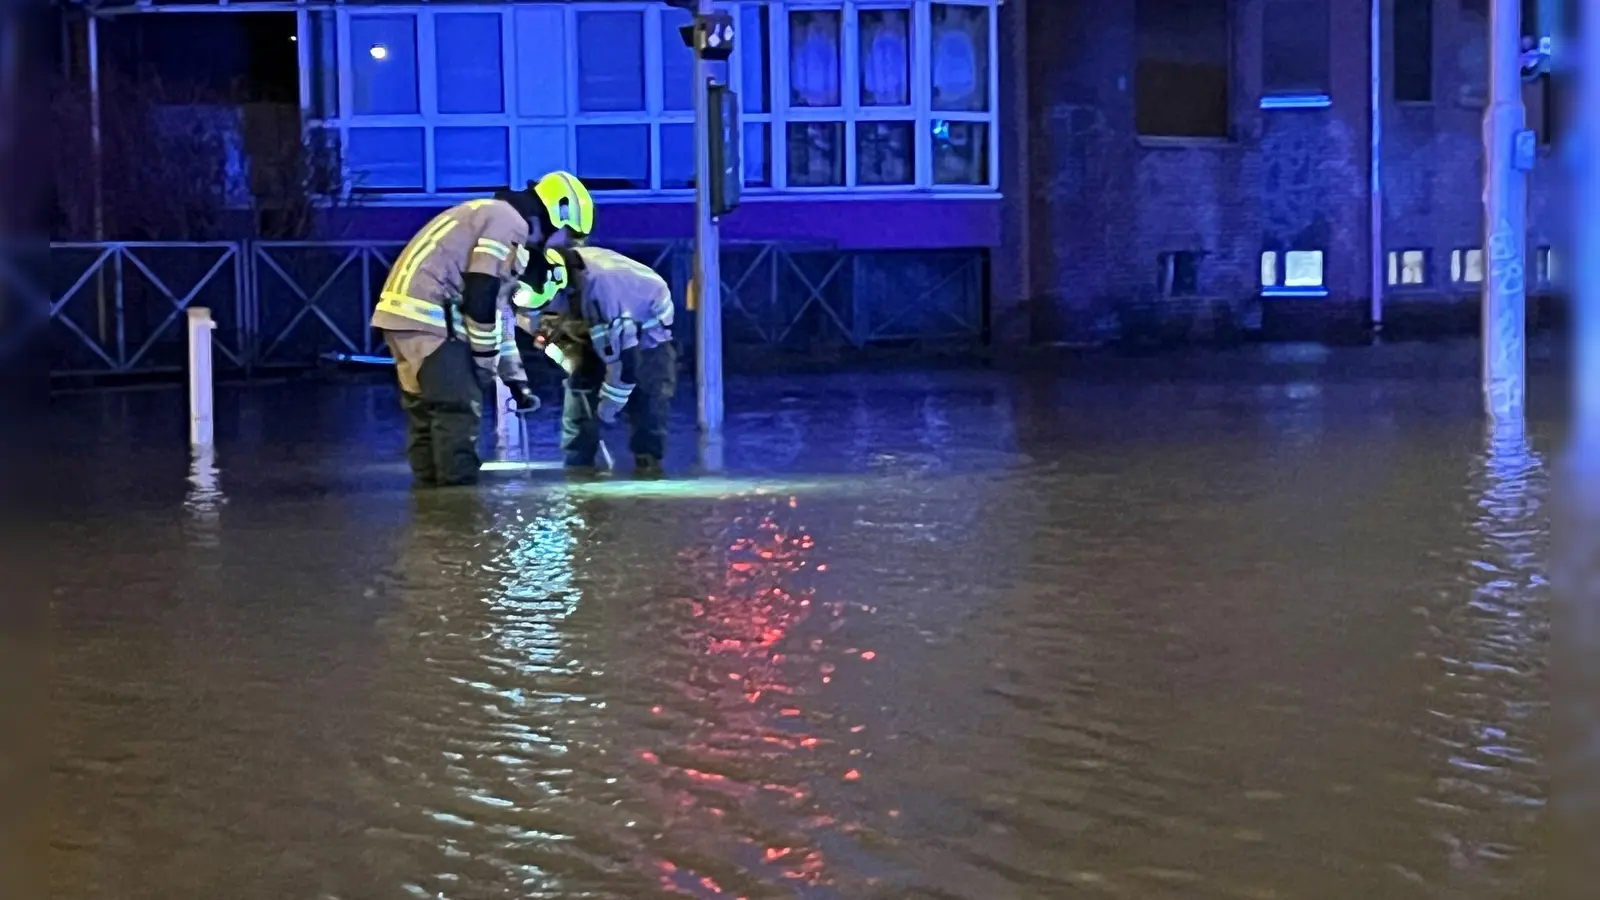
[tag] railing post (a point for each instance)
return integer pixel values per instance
(201, 420)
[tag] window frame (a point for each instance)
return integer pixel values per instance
(774, 122)
(1395, 263)
(1280, 265)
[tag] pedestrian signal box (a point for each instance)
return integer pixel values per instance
(727, 164)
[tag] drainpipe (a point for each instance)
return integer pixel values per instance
(1375, 166)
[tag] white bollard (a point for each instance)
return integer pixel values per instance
(201, 421)
(507, 424)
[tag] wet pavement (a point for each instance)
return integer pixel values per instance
(1233, 631)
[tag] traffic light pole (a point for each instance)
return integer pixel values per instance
(1507, 153)
(707, 258)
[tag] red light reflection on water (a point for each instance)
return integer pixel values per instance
(739, 631)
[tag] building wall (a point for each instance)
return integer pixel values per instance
(1106, 203)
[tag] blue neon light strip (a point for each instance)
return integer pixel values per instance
(1294, 292)
(1297, 101)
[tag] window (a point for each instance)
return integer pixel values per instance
(1181, 71)
(614, 157)
(541, 85)
(885, 54)
(885, 152)
(541, 149)
(471, 159)
(383, 62)
(757, 155)
(1466, 266)
(322, 65)
(1179, 273)
(677, 62)
(876, 95)
(960, 152)
(753, 45)
(1269, 269)
(960, 58)
(1302, 269)
(470, 78)
(1413, 51)
(610, 62)
(1296, 45)
(1543, 267)
(386, 159)
(814, 58)
(816, 154)
(1408, 268)
(677, 155)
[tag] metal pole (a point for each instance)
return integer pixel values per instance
(1375, 210)
(1505, 316)
(1577, 61)
(201, 417)
(97, 167)
(707, 265)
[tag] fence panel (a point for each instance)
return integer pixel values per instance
(919, 296)
(118, 307)
(312, 297)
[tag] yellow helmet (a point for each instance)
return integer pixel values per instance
(531, 295)
(566, 202)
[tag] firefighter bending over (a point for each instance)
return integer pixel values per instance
(445, 308)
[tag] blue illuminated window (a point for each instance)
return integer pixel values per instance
(541, 149)
(757, 154)
(677, 155)
(467, 55)
(541, 74)
(814, 63)
(386, 159)
(614, 157)
(960, 54)
(383, 59)
(611, 61)
(677, 63)
(885, 56)
(472, 159)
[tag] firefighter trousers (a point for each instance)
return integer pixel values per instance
(445, 416)
(647, 412)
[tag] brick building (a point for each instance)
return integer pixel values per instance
(1200, 168)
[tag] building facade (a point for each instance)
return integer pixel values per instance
(1204, 168)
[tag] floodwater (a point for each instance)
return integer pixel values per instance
(1249, 631)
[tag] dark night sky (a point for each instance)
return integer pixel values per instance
(210, 51)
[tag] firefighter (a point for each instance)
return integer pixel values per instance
(443, 312)
(611, 330)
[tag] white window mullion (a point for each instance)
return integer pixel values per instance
(341, 28)
(922, 91)
(654, 91)
(569, 27)
(303, 57)
(428, 93)
(778, 80)
(508, 92)
(850, 84)
(994, 98)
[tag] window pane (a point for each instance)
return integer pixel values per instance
(960, 57)
(1295, 58)
(383, 55)
(471, 158)
(677, 62)
(814, 58)
(1414, 267)
(885, 57)
(885, 153)
(610, 62)
(385, 159)
(1180, 79)
(1269, 268)
(324, 61)
(757, 155)
(1302, 268)
(960, 152)
(816, 154)
(614, 157)
(753, 44)
(541, 149)
(677, 155)
(467, 60)
(541, 74)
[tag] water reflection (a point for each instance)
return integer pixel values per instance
(1489, 707)
(204, 499)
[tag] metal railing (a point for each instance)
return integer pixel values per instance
(115, 308)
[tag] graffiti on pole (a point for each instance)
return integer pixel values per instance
(1507, 349)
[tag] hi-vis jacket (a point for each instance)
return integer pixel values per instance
(422, 296)
(626, 305)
